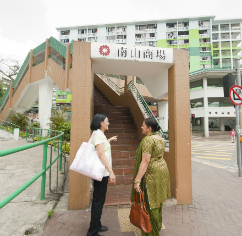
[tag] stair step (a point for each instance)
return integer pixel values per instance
(126, 179)
(123, 154)
(127, 141)
(122, 130)
(119, 171)
(121, 124)
(117, 162)
(127, 147)
(122, 135)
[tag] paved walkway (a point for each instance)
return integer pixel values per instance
(216, 208)
(25, 211)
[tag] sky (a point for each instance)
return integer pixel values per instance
(24, 24)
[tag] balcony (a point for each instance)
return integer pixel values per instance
(225, 46)
(82, 35)
(235, 28)
(224, 28)
(92, 34)
(111, 33)
(171, 29)
(226, 54)
(205, 62)
(215, 38)
(183, 28)
(223, 37)
(185, 45)
(151, 39)
(237, 37)
(141, 31)
(204, 45)
(111, 41)
(205, 53)
(64, 36)
(121, 41)
(215, 29)
(172, 46)
(151, 30)
(140, 39)
(204, 35)
(204, 27)
(183, 36)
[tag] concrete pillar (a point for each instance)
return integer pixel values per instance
(205, 104)
(163, 114)
(179, 160)
(79, 185)
(221, 124)
(45, 103)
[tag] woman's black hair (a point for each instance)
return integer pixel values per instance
(97, 120)
(151, 122)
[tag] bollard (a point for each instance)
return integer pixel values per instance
(16, 134)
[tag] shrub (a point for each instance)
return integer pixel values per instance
(35, 124)
(59, 122)
(20, 120)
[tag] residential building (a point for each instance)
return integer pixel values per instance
(211, 43)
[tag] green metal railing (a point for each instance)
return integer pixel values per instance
(60, 63)
(112, 84)
(8, 126)
(20, 79)
(144, 106)
(122, 77)
(38, 62)
(45, 167)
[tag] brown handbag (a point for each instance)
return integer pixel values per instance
(138, 214)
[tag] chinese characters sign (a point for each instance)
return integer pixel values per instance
(134, 53)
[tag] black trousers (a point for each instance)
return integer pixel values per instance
(99, 195)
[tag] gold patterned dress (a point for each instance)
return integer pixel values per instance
(157, 178)
(155, 183)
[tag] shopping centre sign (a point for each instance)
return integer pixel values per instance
(133, 53)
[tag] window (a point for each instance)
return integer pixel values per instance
(65, 32)
(61, 97)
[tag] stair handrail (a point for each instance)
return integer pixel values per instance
(112, 84)
(145, 108)
(45, 167)
(9, 126)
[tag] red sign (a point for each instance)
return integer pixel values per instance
(235, 95)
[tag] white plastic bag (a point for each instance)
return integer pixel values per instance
(87, 161)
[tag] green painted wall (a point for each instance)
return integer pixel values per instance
(162, 43)
(194, 63)
(194, 34)
(194, 51)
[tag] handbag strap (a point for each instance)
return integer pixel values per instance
(142, 201)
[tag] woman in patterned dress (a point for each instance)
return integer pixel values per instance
(151, 174)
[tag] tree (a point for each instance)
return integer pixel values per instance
(1, 90)
(10, 66)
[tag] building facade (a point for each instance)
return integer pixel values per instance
(211, 43)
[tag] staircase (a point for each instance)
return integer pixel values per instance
(121, 124)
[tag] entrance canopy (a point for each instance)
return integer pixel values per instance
(151, 64)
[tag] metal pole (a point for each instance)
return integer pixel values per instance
(42, 194)
(238, 117)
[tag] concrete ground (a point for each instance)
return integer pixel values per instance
(216, 208)
(26, 211)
